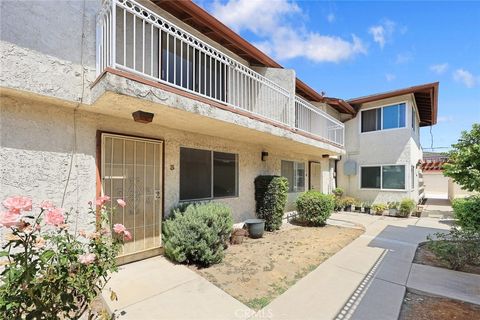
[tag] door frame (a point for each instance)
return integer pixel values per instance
(310, 173)
(98, 163)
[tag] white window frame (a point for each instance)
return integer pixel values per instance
(295, 175)
(381, 177)
(407, 104)
(212, 197)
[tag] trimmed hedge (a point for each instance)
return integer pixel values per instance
(467, 213)
(198, 234)
(271, 198)
(315, 207)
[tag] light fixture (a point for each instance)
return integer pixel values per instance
(264, 155)
(142, 116)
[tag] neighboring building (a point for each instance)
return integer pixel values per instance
(436, 185)
(76, 74)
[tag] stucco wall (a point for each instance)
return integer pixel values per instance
(435, 183)
(40, 167)
(395, 146)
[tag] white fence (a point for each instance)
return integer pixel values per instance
(131, 37)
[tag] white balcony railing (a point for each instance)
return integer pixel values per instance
(312, 120)
(133, 38)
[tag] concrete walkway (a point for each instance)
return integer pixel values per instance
(158, 289)
(365, 280)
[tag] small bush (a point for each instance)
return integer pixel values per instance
(271, 197)
(199, 234)
(315, 207)
(338, 204)
(338, 192)
(467, 212)
(393, 205)
(379, 208)
(406, 207)
(457, 248)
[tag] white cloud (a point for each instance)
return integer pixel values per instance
(390, 77)
(279, 26)
(404, 57)
(444, 119)
(383, 32)
(465, 77)
(439, 68)
(331, 18)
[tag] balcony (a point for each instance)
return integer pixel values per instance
(134, 39)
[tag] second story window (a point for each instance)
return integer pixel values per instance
(389, 117)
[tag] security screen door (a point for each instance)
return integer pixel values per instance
(315, 176)
(132, 170)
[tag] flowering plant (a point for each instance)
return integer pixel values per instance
(51, 271)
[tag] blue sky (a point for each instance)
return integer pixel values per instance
(354, 48)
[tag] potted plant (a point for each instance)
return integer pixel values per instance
(392, 208)
(337, 192)
(406, 207)
(367, 205)
(348, 203)
(379, 208)
(358, 205)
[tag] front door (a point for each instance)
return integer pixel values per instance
(315, 176)
(132, 170)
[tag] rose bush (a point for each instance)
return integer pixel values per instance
(51, 271)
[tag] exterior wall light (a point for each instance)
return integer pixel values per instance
(142, 116)
(264, 155)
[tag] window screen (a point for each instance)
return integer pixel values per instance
(371, 120)
(295, 174)
(393, 177)
(224, 174)
(204, 171)
(370, 177)
(195, 174)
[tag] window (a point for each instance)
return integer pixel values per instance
(370, 177)
(393, 177)
(206, 174)
(295, 174)
(371, 120)
(383, 177)
(413, 176)
(389, 117)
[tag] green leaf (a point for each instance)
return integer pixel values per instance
(47, 255)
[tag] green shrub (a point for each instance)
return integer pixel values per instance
(467, 212)
(456, 248)
(393, 205)
(315, 207)
(338, 204)
(379, 208)
(271, 198)
(406, 207)
(199, 234)
(338, 192)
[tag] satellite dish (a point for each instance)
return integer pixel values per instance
(350, 168)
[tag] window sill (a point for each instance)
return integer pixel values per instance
(384, 190)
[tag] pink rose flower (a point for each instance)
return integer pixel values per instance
(55, 217)
(101, 200)
(121, 203)
(119, 228)
(17, 203)
(47, 205)
(86, 258)
(128, 235)
(40, 243)
(9, 218)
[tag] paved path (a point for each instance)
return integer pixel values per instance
(157, 289)
(365, 280)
